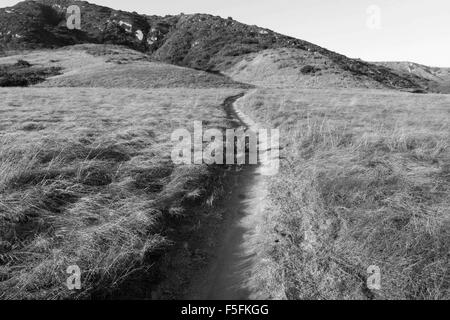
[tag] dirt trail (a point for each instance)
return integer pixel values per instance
(229, 277)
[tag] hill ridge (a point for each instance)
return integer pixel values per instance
(199, 41)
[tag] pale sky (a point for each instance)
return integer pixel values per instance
(407, 30)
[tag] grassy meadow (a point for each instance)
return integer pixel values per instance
(365, 181)
(86, 179)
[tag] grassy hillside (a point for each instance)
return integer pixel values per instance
(86, 176)
(212, 43)
(109, 66)
(364, 181)
(87, 179)
(198, 41)
(439, 77)
(288, 68)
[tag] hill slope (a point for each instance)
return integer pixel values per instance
(197, 41)
(439, 77)
(296, 68)
(110, 66)
(86, 175)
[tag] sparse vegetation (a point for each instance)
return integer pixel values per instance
(364, 181)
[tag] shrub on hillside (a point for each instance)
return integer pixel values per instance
(22, 74)
(13, 80)
(23, 63)
(238, 50)
(309, 69)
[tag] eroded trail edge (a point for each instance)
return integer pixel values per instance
(230, 275)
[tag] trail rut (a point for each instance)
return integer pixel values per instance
(230, 274)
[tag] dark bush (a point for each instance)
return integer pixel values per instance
(308, 69)
(22, 74)
(13, 80)
(23, 63)
(51, 16)
(32, 126)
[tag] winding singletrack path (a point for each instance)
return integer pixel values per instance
(229, 276)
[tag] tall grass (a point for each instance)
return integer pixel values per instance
(364, 182)
(86, 179)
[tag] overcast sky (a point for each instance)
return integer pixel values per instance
(373, 30)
